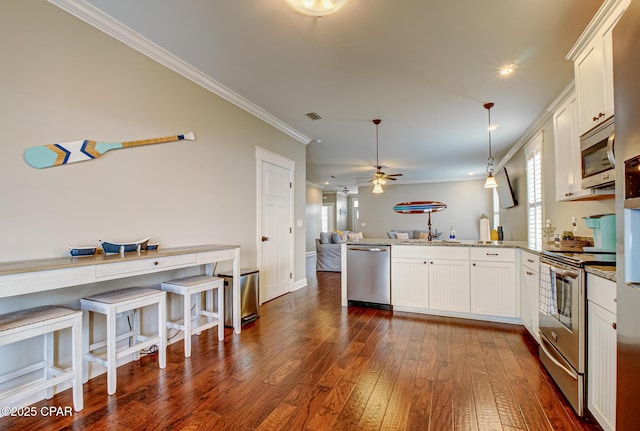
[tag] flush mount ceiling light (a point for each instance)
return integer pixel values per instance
(317, 8)
(490, 183)
(507, 70)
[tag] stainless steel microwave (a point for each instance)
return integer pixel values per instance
(597, 153)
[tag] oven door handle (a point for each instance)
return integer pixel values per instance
(564, 273)
(571, 373)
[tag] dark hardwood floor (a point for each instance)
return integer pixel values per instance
(309, 363)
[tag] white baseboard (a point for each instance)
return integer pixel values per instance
(299, 284)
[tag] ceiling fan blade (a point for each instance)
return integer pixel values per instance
(393, 175)
(390, 179)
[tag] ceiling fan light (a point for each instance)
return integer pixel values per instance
(377, 188)
(491, 182)
(317, 8)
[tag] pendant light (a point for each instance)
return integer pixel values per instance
(490, 183)
(379, 180)
(317, 8)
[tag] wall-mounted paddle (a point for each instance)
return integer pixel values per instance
(46, 156)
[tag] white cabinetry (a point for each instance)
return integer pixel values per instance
(568, 159)
(494, 289)
(593, 66)
(424, 277)
(410, 282)
(601, 351)
(529, 290)
(449, 284)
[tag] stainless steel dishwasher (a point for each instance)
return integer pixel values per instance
(369, 276)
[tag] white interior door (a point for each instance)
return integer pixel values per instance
(275, 225)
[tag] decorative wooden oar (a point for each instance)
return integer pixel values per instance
(46, 156)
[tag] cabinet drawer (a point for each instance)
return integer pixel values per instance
(433, 252)
(144, 266)
(493, 254)
(530, 260)
(602, 292)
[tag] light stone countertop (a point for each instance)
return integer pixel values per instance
(606, 272)
(445, 243)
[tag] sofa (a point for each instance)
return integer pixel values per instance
(329, 249)
(414, 234)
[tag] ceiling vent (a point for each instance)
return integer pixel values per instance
(314, 116)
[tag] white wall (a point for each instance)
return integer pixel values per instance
(466, 202)
(67, 81)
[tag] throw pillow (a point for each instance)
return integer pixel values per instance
(402, 235)
(325, 237)
(354, 236)
(391, 234)
(336, 238)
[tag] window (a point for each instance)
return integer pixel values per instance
(496, 209)
(533, 156)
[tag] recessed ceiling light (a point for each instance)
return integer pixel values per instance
(470, 173)
(507, 70)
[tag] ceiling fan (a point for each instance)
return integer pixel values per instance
(379, 178)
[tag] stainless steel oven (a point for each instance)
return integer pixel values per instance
(598, 159)
(562, 319)
(562, 327)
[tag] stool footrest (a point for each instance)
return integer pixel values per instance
(20, 392)
(123, 351)
(203, 323)
(22, 371)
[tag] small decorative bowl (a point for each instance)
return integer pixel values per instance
(82, 251)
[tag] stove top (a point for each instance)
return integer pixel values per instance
(582, 259)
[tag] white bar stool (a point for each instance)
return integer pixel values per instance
(203, 318)
(113, 305)
(45, 321)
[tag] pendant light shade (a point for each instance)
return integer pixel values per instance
(317, 8)
(377, 188)
(491, 182)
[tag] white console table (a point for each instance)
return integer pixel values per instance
(32, 276)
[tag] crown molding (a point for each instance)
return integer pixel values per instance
(105, 23)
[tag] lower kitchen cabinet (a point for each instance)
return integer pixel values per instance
(493, 289)
(449, 285)
(410, 282)
(601, 351)
(529, 292)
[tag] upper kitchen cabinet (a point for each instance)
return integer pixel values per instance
(568, 160)
(593, 66)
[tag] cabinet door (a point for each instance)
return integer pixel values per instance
(601, 371)
(449, 285)
(567, 149)
(591, 75)
(493, 289)
(409, 282)
(530, 280)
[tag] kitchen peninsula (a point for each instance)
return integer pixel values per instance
(471, 279)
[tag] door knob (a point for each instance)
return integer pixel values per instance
(265, 238)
